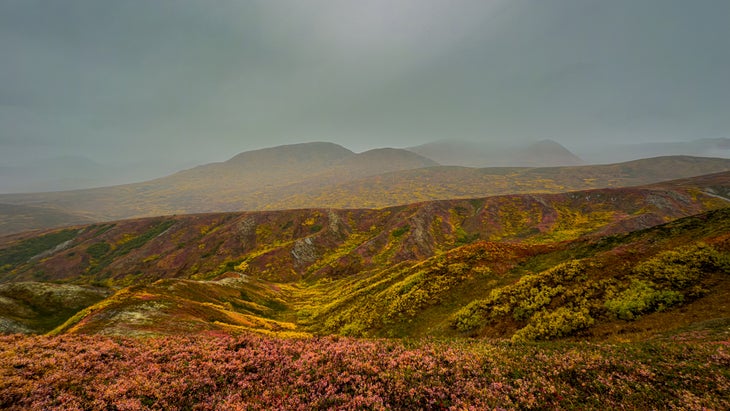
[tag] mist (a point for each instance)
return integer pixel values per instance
(163, 85)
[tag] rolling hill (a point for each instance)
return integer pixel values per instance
(419, 269)
(325, 175)
(245, 182)
(438, 183)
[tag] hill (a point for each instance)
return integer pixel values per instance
(544, 153)
(316, 175)
(405, 270)
(436, 183)
(248, 181)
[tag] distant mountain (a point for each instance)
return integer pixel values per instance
(326, 175)
(405, 270)
(612, 153)
(545, 153)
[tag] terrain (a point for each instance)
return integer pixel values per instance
(610, 297)
(429, 268)
(325, 175)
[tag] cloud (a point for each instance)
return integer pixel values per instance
(192, 80)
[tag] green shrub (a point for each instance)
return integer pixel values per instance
(522, 299)
(400, 231)
(470, 317)
(681, 268)
(561, 322)
(98, 250)
(641, 297)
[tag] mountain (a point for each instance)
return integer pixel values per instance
(544, 153)
(248, 181)
(405, 270)
(315, 175)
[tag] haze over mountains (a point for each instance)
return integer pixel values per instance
(75, 172)
(328, 175)
(545, 153)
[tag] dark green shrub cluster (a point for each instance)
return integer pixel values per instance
(400, 231)
(25, 250)
(98, 250)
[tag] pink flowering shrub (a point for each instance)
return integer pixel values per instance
(251, 372)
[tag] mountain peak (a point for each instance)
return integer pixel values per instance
(317, 150)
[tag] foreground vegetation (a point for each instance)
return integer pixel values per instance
(251, 372)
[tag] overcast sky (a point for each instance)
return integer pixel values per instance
(199, 81)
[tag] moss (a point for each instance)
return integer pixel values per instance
(400, 231)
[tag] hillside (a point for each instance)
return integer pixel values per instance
(323, 270)
(437, 183)
(324, 175)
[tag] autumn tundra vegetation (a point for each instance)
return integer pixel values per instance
(613, 297)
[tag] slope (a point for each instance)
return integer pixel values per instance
(437, 183)
(309, 270)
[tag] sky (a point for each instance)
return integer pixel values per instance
(179, 82)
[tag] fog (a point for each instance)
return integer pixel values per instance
(167, 84)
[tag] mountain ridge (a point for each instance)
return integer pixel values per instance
(273, 178)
